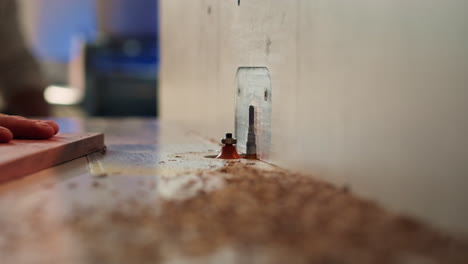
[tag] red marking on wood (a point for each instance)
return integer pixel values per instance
(228, 152)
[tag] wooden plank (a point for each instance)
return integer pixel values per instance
(22, 157)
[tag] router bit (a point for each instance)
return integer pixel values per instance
(251, 145)
(228, 151)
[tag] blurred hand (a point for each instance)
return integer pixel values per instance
(29, 102)
(23, 128)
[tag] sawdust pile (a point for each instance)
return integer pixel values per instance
(302, 220)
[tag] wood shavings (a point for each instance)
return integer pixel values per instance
(289, 218)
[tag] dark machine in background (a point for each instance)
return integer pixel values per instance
(121, 76)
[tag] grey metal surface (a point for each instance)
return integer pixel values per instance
(254, 88)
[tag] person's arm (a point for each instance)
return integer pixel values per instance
(21, 80)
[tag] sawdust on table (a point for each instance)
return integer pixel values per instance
(294, 218)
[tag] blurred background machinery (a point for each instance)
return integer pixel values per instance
(101, 57)
(121, 77)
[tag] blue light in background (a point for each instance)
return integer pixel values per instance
(131, 17)
(58, 22)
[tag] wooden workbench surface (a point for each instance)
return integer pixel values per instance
(158, 196)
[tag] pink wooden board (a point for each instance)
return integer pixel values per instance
(22, 157)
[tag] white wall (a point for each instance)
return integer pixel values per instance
(369, 93)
